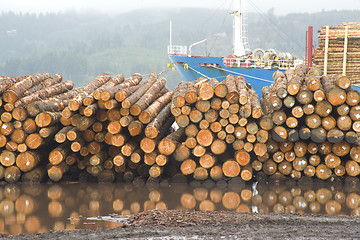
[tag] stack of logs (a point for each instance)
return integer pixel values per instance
(314, 124)
(337, 45)
(122, 129)
(105, 126)
(29, 121)
(219, 121)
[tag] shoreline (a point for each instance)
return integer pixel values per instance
(189, 224)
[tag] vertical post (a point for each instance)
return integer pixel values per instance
(306, 48)
(170, 34)
(326, 50)
(238, 44)
(345, 49)
(309, 47)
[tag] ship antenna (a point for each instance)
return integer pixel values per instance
(170, 35)
(239, 49)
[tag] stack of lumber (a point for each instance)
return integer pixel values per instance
(220, 123)
(342, 50)
(104, 124)
(315, 125)
(29, 119)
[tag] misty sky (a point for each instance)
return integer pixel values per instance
(281, 7)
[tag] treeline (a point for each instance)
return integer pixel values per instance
(81, 46)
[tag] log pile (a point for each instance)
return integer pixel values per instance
(105, 126)
(124, 129)
(220, 122)
(343, 38)
(26, 132)
(315, 125)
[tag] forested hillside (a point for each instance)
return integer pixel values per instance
(80, 46)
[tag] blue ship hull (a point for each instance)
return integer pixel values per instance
(193, 67)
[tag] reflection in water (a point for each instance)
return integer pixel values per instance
(42, 208)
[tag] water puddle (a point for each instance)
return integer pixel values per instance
(50, 207)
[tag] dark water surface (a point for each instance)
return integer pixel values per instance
(49, 207)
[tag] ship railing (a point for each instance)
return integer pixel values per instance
(177, 50)
(260, 63)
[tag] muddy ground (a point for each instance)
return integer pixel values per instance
(184, 224)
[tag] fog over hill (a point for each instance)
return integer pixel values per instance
(80, 46)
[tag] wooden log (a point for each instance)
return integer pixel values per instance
(191, 95)
(118, 140)
(12, 174)
(278, 117)
(18, 136)
(7, 158)
(59, 154)
(34, 176)
(216, 103)
(344, 123)
(242, 157)
(319, 95)
(269, 167)
(178, 99)
(154, 109)
(27, 161)
(11, 146)
(318, 135)
(256, 111)
(19, 114)
(280, 84)
(313, 121)
(188, 167)
(279, 134)
(153, 128)
(294, 84)
(56, 173)
(116, 91)
(246, 173)
(352, 97)
(207, 161)
(114, 127)
(204, 137)
(17, 90)
(313, 82)
(181, 153)
(243, 89)
(335, 135)
(304, 96)
(54, 105)
(48, 82)
(168, 145)
(118, 79)
(205, 90)
(352, 168)
(7, 82)
(200, 174)
(83, 123)
(46, 119)
(218, 147)
(323, 108)
(231, 168)
(87, 90)
(45, 93)
(289, 101)
(342, 82)
(147, 98)
(34, 141)
(343, 110)
(135, 128)
(198, 151)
